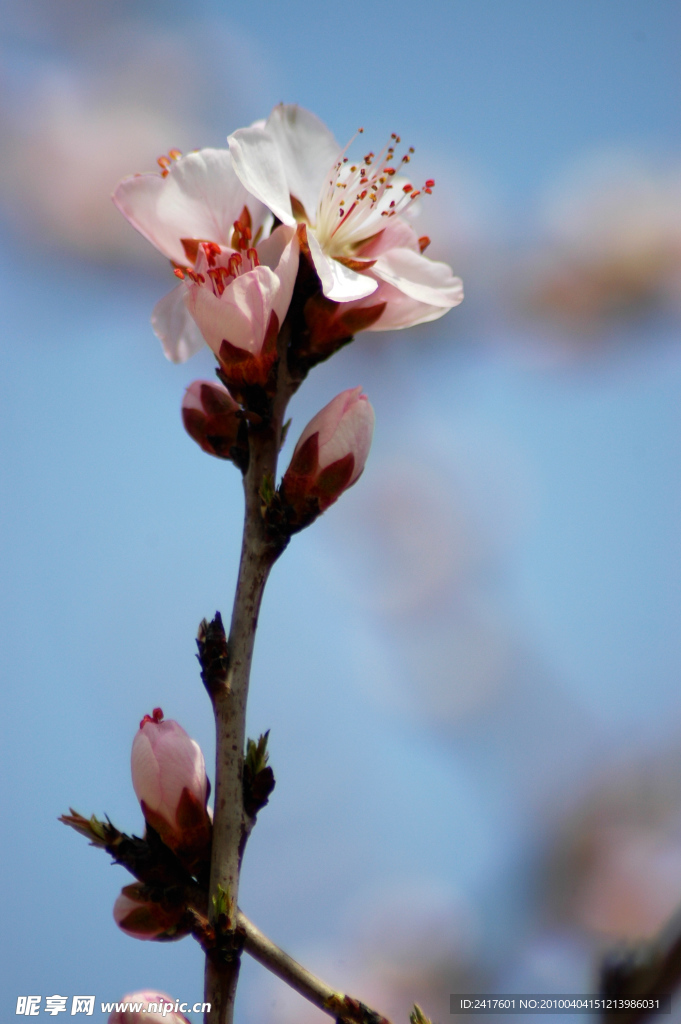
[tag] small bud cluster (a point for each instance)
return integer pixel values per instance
(170, 782)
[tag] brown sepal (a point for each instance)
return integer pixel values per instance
(306, 459)
(157, 909)
(333, 480)
(190, 840)
(330, 325)
(222, 432)
(241, 371)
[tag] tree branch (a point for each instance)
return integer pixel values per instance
(342, 1007)
(229, 694)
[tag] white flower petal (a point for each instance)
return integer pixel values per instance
(260, 169)
(420, 278)
(339, 283)
(179, 335)
(308, 152)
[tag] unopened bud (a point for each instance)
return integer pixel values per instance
(158, 1009)
(169, 778)
(212, 418)
(137, 915)
(329, 457)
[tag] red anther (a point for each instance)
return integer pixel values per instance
(406, 159)
(235, 261)
(155, 716)
(216, 277)
(253, 257)
(424, 242)
(178, 272)
(415, 193)
(361, 131)
(389, 170)
(211, 249)
(430, 183)
(175, 153)
(163, 162)
(392, 203)
(407, 188)
(411, 149)
(362, 195)
(428, 191)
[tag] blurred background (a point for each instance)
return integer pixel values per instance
(471, 665)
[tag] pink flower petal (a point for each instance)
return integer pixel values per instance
(180, 336)
(240, 315)
(420, 278)
(201, 197)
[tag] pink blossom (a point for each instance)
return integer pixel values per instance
(233, 293)
(142, 918)
(169, 779)
(235, 272)
(147, 998)
(330, 455)
(360, 241)
(211, 418)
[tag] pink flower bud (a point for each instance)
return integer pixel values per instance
(137, 915)
(212, 418)
(329, 457)
(158, 1009)
(169, 778)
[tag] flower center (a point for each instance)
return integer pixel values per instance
(224, 266)
(358, 196)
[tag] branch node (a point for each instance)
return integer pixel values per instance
(213, 654)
